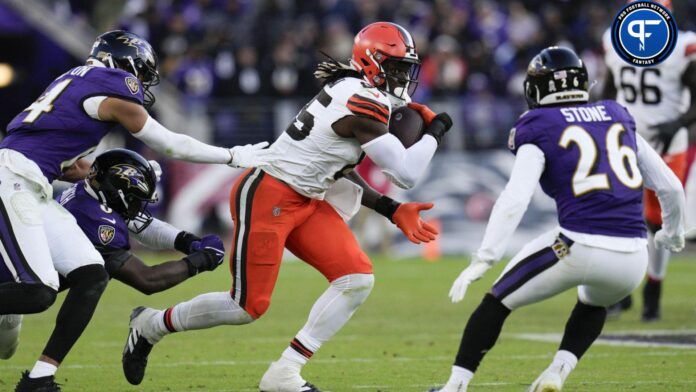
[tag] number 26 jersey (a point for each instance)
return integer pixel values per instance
(309, 156)
(591, 168)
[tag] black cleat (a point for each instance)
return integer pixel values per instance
(651, 300)
(135, 352)
(615, 310)
(41, 384)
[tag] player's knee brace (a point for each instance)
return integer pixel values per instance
(26, 298)
(357, 287)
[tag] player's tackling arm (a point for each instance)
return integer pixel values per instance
(138, 122)
(658, 177)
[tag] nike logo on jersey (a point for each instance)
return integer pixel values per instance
(376, 95)
(112, 220)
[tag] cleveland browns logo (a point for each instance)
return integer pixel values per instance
(106, 234)
(132, 84)
(134, 177)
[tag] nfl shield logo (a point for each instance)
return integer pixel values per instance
(106, 234)
(276, 211)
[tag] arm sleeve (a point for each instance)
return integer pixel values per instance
(158, 235)
(179, 146)
(658, 177)
(512, 203)
(404, 167)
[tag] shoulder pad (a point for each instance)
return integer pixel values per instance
(117, 82)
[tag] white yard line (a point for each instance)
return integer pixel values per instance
(556, 337)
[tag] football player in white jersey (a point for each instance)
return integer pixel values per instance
(298, 199)
(657, 98)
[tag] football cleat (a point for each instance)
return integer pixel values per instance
(10, 324)
(137, 347)
(41, 384)
(548, 381)
(280, 378)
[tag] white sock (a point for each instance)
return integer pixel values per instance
(658, 258)
(564, 362)
(460, 377)
(204, 311)
(328, 315)
(42, 369)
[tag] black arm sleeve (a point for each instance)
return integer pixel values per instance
(114, 258)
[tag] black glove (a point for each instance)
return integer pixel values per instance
(666, 132)
(439, 126)
(184, 242)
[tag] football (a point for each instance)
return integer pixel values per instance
(407, 125)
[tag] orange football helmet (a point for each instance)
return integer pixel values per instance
(385, 54)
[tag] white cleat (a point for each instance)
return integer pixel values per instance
(284, 378)
(548, 381)
(10, 325)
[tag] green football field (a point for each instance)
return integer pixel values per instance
(403, 339)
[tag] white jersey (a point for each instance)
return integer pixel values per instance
(309, 156)
(655, 94)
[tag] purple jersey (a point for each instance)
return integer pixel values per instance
(591, 169)
(55, 130)
(103, 226)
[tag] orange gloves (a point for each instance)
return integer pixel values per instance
(425, 112)
(407, 218)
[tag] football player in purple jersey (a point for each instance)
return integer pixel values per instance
(590, 160)
(39, 240)
(111, 204)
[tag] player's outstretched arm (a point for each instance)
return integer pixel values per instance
(406, 216)
(206, 255)
(404, 167)
(505, 216)
(138, 122)
(662, 180)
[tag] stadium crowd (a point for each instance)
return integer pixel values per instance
(221, 53)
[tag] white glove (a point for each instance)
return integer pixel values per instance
(472, 273)
(249, 155)
(672, 244)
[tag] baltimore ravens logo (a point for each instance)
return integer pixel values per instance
(132, 84)
(132, 175)
(106, 234)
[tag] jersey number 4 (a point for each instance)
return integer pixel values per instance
(622, 160)
(45, 102)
